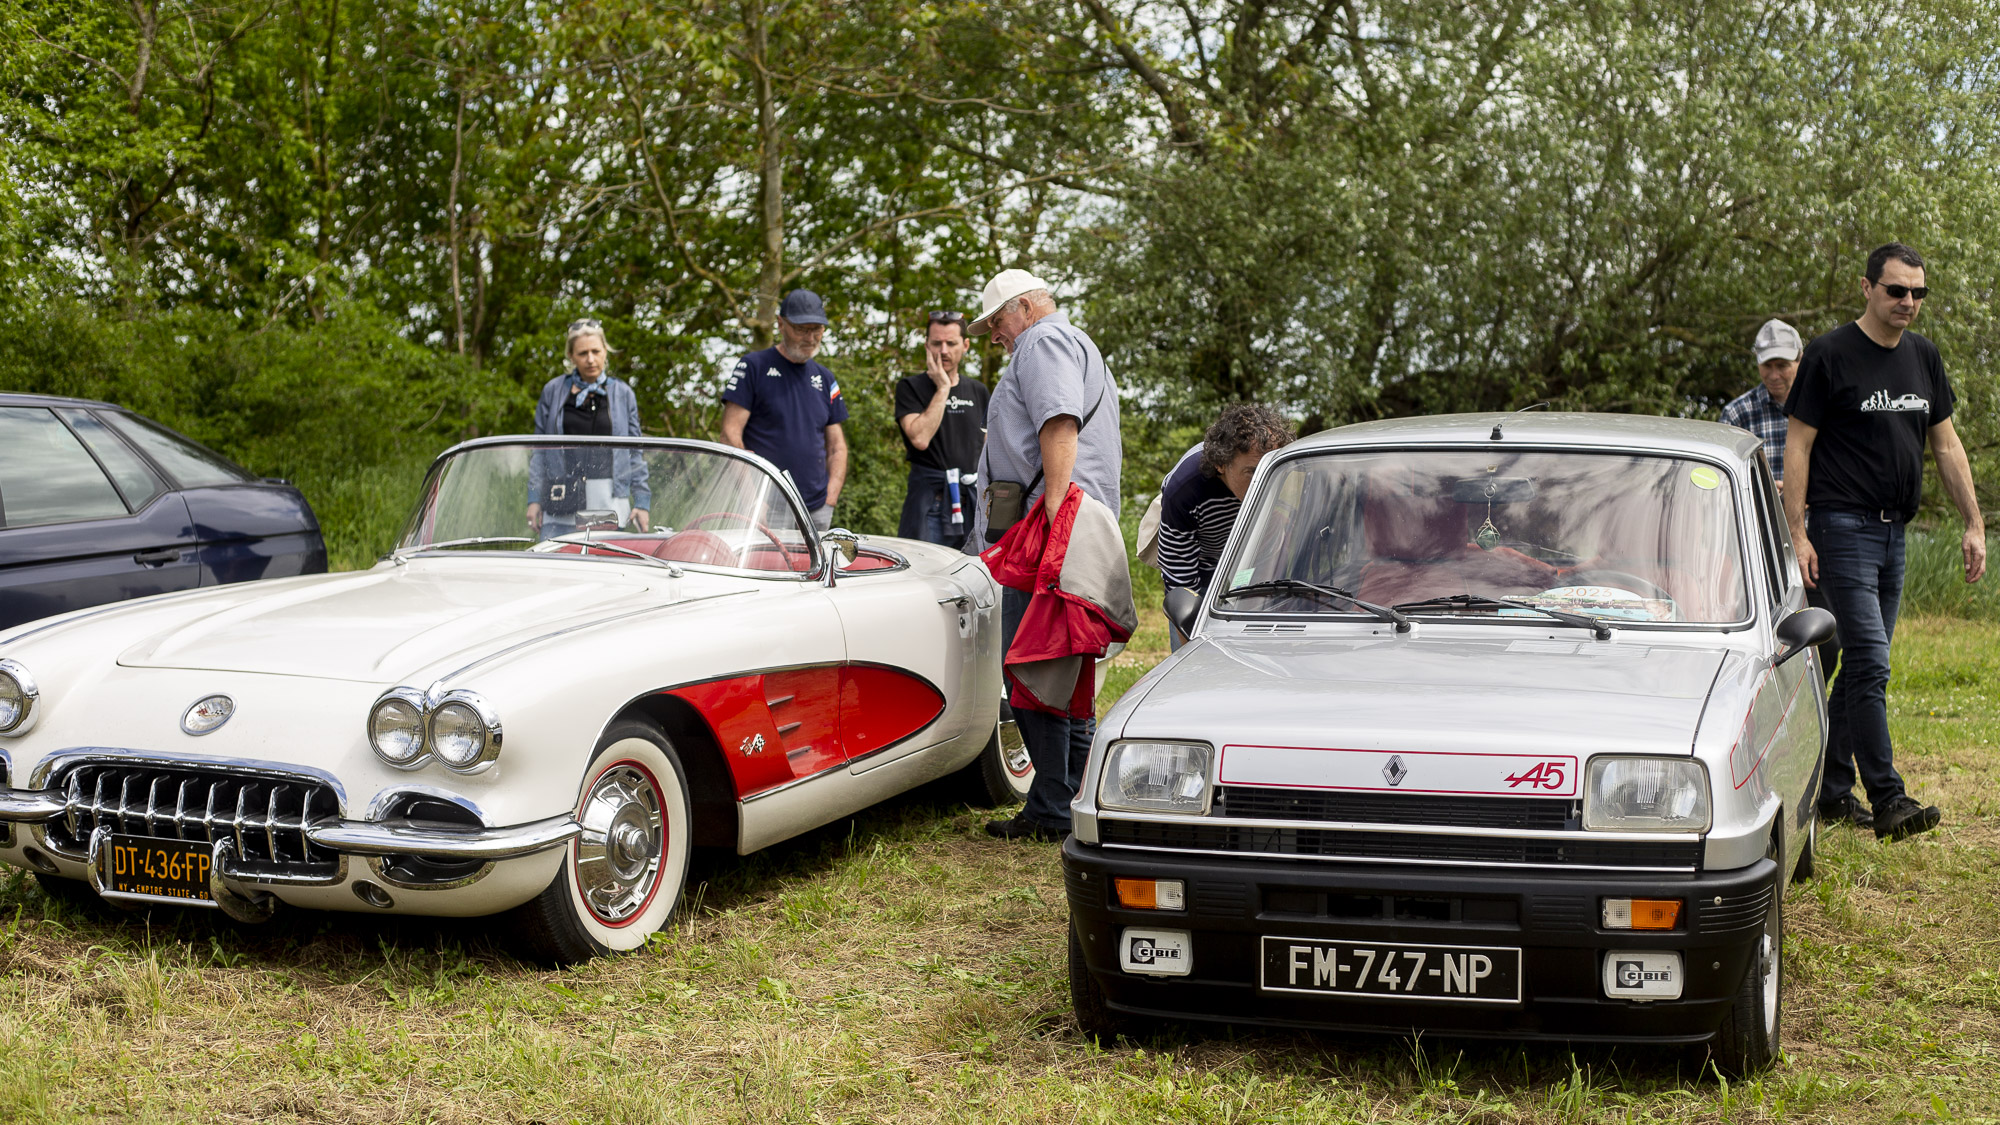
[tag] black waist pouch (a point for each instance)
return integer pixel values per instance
(564, 497)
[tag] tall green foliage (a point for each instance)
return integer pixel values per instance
(1348, 207)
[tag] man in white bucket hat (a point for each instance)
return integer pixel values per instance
(1761, 409)
(1052, 421)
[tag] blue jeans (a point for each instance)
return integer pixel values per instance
(1861, 581)
(1058, 745)
(927, 509)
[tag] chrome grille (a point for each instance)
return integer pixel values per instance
(263, 815)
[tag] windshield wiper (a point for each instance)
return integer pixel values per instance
(1300, 586)
(671, 568)
(468, 541)
(1596, 625)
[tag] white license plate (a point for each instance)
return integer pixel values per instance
(1479, 974)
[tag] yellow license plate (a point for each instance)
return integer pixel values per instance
(168, 869)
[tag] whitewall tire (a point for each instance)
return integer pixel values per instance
(622, 878)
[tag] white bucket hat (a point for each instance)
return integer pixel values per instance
(1005, 286)
(1778, 340)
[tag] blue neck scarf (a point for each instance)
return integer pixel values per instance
(585, 390)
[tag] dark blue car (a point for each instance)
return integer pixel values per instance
(98, 504)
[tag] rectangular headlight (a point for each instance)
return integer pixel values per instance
(1169, 777)
(1629, 794)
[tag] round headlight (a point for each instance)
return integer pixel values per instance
(396, 728)
(465, 732)
(17, 698)
(458, 734)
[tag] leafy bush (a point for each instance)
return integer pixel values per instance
(1934, 578)
(346, 408)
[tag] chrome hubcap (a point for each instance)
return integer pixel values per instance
(618, 854)
(1014, 751)
(1767, 964)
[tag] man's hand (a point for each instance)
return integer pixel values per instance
(1808, 559)
(642, 519)
(1975, 553)
(535, 519)
(934, 367)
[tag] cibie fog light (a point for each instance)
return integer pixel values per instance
(396, 728)
(17, 698)
(1646, 795)
(1156, 777)
(465, 732)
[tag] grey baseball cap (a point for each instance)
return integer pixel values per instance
(1778, 340)
(803, 306)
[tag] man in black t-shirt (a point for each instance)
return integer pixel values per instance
(1867, 396)
(943, 418)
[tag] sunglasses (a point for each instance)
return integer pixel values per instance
(1898, 292)
(585, 322)
(946, 316)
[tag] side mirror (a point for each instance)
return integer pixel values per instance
(1803, 630)
(1182, 605)
(842, 540)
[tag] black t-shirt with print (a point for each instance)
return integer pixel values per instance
(961, 433)
(1873, 407)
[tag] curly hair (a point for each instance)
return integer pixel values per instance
(1243, 428)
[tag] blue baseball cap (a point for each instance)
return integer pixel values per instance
(803, 306)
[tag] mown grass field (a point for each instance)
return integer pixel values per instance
(904, 967)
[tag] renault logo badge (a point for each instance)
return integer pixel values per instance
(1395, 771)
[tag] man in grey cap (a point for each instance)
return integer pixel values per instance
(783, 406)
(1761, 409)
(1052, 421)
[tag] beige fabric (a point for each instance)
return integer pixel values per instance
(1149, 531)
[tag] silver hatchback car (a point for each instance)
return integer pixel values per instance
(1500, 725)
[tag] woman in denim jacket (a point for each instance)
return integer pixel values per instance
(587, 401)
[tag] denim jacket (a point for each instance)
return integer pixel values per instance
(628, 466)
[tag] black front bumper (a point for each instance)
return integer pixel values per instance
(1553, 917)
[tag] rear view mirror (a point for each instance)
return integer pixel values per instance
(1492, 490)
(842, 540)
(1182, 605)
(1803, 630)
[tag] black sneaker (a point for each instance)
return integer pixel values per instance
(1846, 810)
(1900, 816)
(1019, 827)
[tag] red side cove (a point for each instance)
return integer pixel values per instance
(776, 727)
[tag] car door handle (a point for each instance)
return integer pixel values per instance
(161, 557)
(958, 600)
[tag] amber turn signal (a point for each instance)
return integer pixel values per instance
(1642, 913)
(1151, 894)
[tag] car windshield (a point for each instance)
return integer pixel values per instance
(1622, 538)
(681, 504)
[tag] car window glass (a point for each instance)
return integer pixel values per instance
(193, 466)
(1767, 526)
(46, 476)
(1630, 537)
(139, 483)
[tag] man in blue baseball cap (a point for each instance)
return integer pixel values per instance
(783, 406)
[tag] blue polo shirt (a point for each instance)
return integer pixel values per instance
(790, 405)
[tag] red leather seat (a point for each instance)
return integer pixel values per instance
(1419, 546)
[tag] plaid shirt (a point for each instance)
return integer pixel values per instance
(1757, 412)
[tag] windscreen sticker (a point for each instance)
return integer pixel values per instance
(1704, 477)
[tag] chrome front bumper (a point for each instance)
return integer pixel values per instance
(440, 843)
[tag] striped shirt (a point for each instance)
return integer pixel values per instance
(1197, 513)
(1762, 415)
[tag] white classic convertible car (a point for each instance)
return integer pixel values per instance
(502, 715)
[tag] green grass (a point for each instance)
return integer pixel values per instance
(902, 966)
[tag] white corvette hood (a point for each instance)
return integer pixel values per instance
(380, 625)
